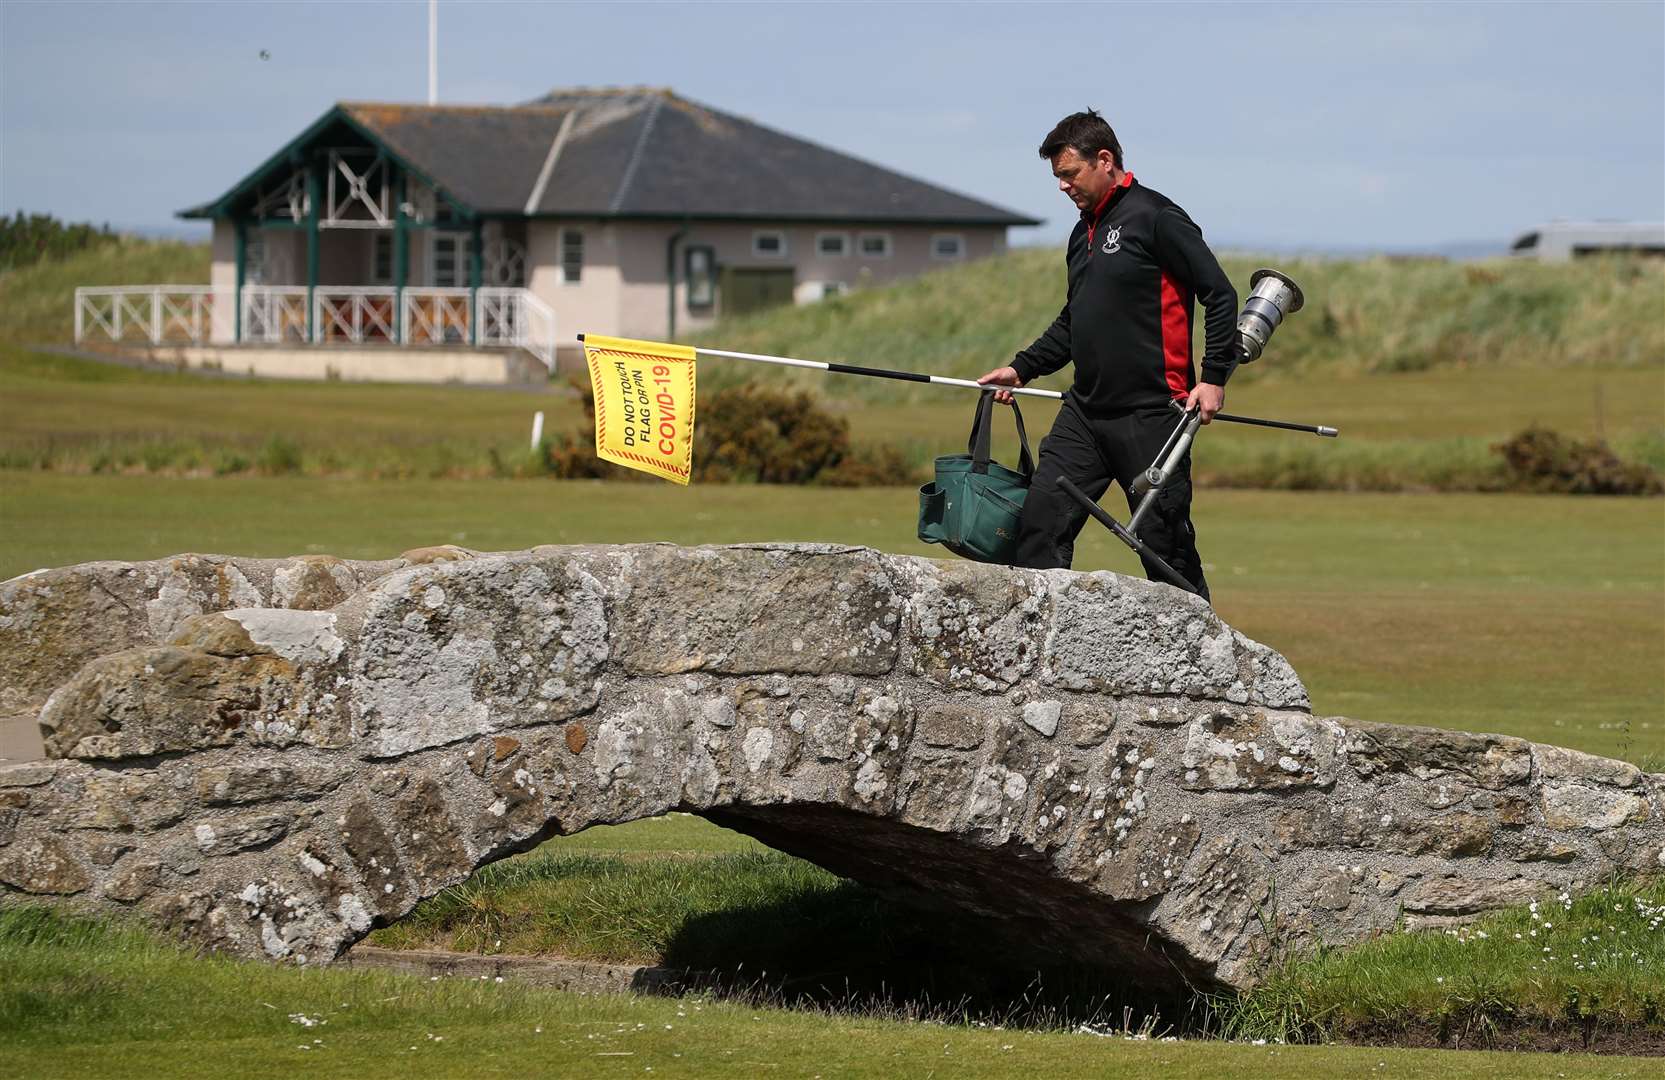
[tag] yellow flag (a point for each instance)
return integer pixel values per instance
(644, 404)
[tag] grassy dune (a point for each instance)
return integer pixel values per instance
(1371, 316)
(37, 303)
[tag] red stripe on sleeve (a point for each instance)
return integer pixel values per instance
(1176, 337)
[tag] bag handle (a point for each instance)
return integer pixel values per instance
(982, 430)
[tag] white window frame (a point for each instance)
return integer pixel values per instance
(883, 237)
(759, 253)
(561, 255)
(461, 239)
(843, 239)
(959, 245)
(392, 255)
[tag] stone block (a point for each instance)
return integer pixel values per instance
(42, 865)
(792, 610)
(1493, 762)
(239, 785)
(223, 836)
(1259, 751)
(1586, 806)
(952, 727)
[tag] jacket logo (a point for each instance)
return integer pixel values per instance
(1112, 241)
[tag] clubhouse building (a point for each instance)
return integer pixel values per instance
(474, 243)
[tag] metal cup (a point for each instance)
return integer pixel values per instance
(1273, 296)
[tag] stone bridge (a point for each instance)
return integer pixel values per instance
(274, 756)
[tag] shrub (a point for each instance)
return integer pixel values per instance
(1543, 460)
(26, 240)
(870, 466)
(755, 434)
(572, 457)
(279, 456)
(748, 434)
(227, 463)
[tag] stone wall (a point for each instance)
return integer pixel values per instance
(272, 756)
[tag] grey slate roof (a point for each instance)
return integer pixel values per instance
(646, 153)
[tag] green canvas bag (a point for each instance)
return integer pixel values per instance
(973, 506)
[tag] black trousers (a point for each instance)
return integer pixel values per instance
(1092, 453)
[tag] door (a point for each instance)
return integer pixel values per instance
(753, 290)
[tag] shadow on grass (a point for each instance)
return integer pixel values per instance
(850, 950)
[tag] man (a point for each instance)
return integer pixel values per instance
(1136, 262)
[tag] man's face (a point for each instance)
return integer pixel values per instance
(1084, 180)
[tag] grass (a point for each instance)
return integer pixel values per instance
(1570, 965)
(65, 414)
(761, 908)
(1562, 968)
(1538, 616)
(1597, 959)
(1424, 365)
(37, 303)
(129, 998)
(74, 415)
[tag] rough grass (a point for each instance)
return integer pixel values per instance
(84, 999)
(1574, 963)
(37, 303)
(1367, 316)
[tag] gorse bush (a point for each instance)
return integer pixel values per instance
(1545, 461)
(747, 434)
(757, 434)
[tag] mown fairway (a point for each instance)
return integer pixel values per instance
(1539, 616)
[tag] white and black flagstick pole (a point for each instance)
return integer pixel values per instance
(874, 373)
(970, 384)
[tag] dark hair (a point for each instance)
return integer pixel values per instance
(1086, 133)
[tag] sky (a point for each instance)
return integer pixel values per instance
(1315, 126)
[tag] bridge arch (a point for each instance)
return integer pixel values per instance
(274, 756)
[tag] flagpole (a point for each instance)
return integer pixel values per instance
(875, 373)
(943, 380)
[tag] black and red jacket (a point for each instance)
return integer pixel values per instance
(1136, 263)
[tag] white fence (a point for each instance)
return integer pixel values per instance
(153, 313)
(277, 315)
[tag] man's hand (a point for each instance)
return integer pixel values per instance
(1206, 396)
(1004, 376)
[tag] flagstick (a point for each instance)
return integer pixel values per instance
(876, 373)
(943, 380)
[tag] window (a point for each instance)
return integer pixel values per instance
(381, 258)
(832, 244)
(572, 256)
(874, 245)
(447, 255)
(701, 267)
(254, 259)
(770, 244)
(947, 246)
